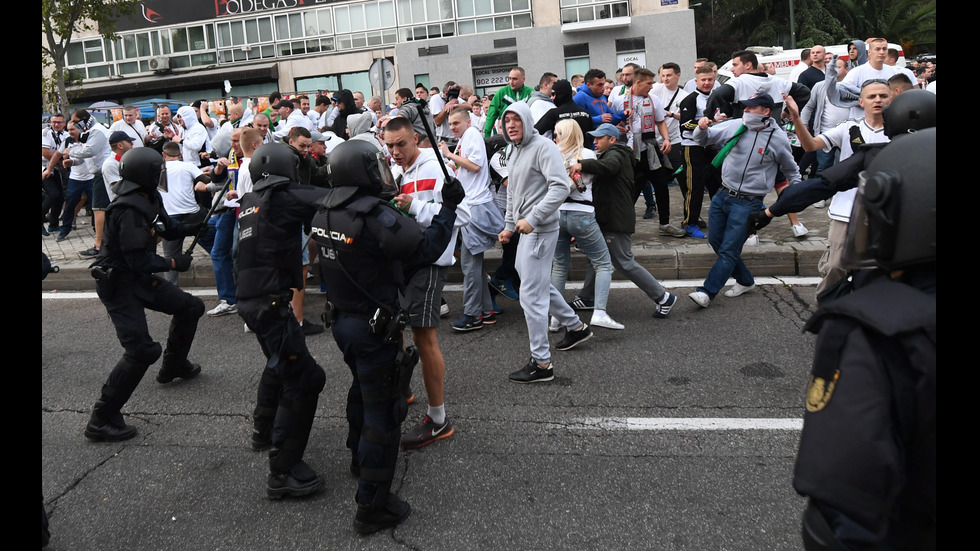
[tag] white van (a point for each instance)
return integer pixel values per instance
(786, 60)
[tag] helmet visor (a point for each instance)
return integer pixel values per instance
(388, 187)
(858, 252)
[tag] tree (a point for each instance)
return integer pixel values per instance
(60, 20)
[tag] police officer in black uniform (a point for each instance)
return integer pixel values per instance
(269, 267)
(867, 457)
(126, 284)
(368, 249)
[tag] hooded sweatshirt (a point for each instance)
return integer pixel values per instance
(596, 106)
(340, 123)
(751, 165)
(538, 183)
(359, 127)
(194, 138)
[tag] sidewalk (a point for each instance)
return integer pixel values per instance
(778, 252)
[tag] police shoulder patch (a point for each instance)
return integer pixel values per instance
(387, 218)
(819, 392)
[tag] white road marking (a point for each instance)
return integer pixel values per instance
(696, 423)
(458, 287)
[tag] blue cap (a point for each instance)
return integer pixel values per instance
(605, 129)
(765, 100)
(119, 136)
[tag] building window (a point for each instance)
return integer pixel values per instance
(483, 16)
(576, 66)
(576, 11)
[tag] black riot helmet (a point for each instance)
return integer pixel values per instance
(910, 111)
(273, 164)
(893, 221)
(141, 168)
(357, 163)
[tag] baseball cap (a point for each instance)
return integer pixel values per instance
(119, 136)
(318, 137)
(605, 129)
(765, 100)
(284, 103)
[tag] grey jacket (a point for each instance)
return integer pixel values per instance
(752, 165)
(538, 182)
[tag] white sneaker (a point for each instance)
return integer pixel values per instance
(701, 298)
(799, 230)
(443, 309)
(738, 290)
(223, 309)
(753, 240)
(820, 204)
(554, 326)
(602, 319)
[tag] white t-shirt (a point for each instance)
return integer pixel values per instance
(794, 75)
(110, 174)
(647, 112)
(48, 141)
(137, 131)
(244, 184)
(575, 194)
(436, 104)
(671, 101)
(179, 197)
(476, 184)
(840, 137)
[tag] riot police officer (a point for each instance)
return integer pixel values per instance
(867, 457)
(367, 249)
(126, 284)
(270, 219)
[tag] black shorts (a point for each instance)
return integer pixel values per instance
(423, 294)
(100, 196)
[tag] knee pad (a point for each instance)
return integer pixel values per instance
(147, 354)
(196, 307)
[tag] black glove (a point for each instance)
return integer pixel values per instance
(182, 262)
(452, 193)
(758, 220)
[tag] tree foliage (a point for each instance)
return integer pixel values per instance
(725, 26)
(61, 20)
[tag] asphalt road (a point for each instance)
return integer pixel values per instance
(671, 434)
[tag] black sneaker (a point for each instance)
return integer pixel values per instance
(300, 481)
(650, 212)
(89, 252)
(369, 520)
(580, 303)
(310, 328)
(533, 373)
(427, 433)
(468, 323)
(574, 338)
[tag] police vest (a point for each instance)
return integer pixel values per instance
(267, 249)
(350, 249)
(117, 239)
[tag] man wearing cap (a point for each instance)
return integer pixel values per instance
(291, 118)
(754, 148)
(613, 195)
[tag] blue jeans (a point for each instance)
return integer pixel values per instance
(825, 159)
(583, 227)
(76, 188)
(218, 238)
(731, 214)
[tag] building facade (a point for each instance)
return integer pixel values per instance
(212, 49)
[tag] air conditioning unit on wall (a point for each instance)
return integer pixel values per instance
(159, 63)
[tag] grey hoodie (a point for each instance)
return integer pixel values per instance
(751, 166)
(538, 182)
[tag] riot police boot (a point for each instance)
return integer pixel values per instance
(113, 429)
(371, 518)
(300, 480)
(173, 369)
(261, 432)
